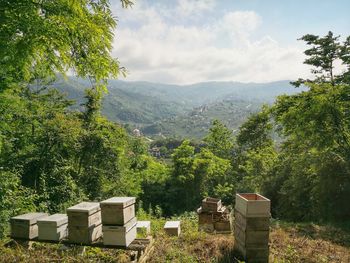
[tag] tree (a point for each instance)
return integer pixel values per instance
(50, 155)
(316, 126)
(41, 38)
(322, 55)
(220, 140)
(182, 182)
(255, 152)
(212, 178)
(255, 133)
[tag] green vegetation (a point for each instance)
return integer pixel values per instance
(160, 110)
(52, 155)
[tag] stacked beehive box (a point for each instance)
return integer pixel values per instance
(252, 216)
(54, 227)
(213, 216)
(119, 221)
(25, 226)
(84, 222)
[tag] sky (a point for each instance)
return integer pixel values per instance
(189, 41)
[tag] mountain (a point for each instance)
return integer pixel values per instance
(122, 105)
(178, 110)
(196, 123)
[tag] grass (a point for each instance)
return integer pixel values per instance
(289, 243)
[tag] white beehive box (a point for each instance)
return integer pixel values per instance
(84, 222)
(25, 226)
(83, 234)
(85, 214)
(172, 228)
(53, 227)
(117, 210)
(143, 227)
(120, 235)
(252, 205)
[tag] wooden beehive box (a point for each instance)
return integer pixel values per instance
(211, 204)
(117, 210)
(252, 223)
(84, 214)
(143, 227)
(25, 226)
(251, 238)
(172, 228)
(223, 226)
(204, 217)
(54, 227)
(120, 235)
(83, 234)
(252, 205)
(253, 254)
(84, 222)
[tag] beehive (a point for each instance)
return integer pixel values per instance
(120, 235)
(54, 227)
(210, 204)
(84, 235)
(84, 222)
(252, 215)
(84, 214)
(118, 210)
(143, 227)
(252, 205)
(25, 226)
(223, 226)
(218, 220)
(172, 228)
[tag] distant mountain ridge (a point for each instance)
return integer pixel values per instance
(175, 110)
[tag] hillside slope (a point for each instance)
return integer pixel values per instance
(175, 110)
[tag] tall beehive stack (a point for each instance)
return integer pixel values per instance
(213, 216)
(119, 221)
(25, 226)
(252, 216)
(84, 222)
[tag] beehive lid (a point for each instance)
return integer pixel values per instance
(55, 220)
(172, 224)
(119, 201)
(30, 218)
(85, 207)
(141, 224)
(211, 200)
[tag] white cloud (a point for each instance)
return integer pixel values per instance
(155, 48)
(190, 7)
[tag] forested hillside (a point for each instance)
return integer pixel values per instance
(55, 152)
(174, 110)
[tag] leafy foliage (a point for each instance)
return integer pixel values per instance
(41, 38)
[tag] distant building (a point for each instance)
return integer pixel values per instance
(155, 152)
(136, 132)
